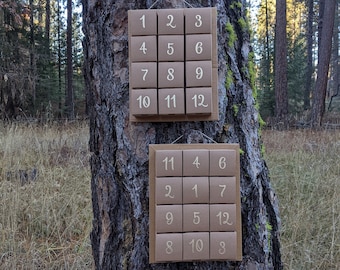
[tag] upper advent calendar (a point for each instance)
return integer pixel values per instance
(173, 65)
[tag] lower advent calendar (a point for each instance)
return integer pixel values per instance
(195, 210)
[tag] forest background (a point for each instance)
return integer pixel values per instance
(45, 196)
(41, 60)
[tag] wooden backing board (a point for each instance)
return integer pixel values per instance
(152, 194)
(185, 117)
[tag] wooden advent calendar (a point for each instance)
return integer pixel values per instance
(173, 65)
(194, 207)
(195, 211)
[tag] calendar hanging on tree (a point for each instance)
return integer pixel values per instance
(173, 65)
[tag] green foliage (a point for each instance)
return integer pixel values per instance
(243, 24)
(236, 4)
(231, 34)
(229, 78)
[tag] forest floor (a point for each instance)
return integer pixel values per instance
(45, 196)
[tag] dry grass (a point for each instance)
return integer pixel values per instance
(45, 198)
(305, 172)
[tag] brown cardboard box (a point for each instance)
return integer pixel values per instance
(198, 47)
(171, 48)
(143, 49)
(195, 190)
(142, 22)
(170, 21)
(196, 246)
(169, 247)
(171, 74)
(168, 162)
(171, 101)
(169, 190)
(199, 100)
(143, 75)
(198, 20)
(222, 189)
(169, 218)
(144, 102)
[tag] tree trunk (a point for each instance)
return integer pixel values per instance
(325, 46)
(119, 159)
(281, 86)
(309, 71)
(69, 74)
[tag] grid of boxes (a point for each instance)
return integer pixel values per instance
(173, 65)
(195, 212)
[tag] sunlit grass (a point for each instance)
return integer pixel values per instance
(45, 201)
(305, 172)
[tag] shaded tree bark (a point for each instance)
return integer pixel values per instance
(325, 49)
(119, 159)
(309, 71)
(69, 101)
(280, 68)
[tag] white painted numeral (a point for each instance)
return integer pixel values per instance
(196, 190)
(222, 250)
(199, 101)
(170, 76)
(222, 163)
(170, 50)
(223, 218)
(145, 70)
(143, 48)
(170, 161)
(169, 218)
(171, 20)
(197, 218)
(196, 246)
(144, 102)
(143, 20)
(199, 73)
(169, 249)
(169, 189)
(168, 99)
(199, 47)
(198, 22)
(223, 187)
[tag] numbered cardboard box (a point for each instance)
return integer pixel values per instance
(196, 246)
(195, 190)
(199, 100)
(196, 217)
(198, 21)
(169, 190)
(169, 218)
(198, 73)
(222, 189)
(171, 75)
(143, 49)
(196, 162)
(169, 247)
(198, 47)
(142, 22)
(144, 102)
(168, 162)
(171, 101)
(222, 162)
(170, 21)
(223, 245)
(143, 75)
(222, 217)
(171, 48)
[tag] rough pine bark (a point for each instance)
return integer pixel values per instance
(119, 159)
(325, 49)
